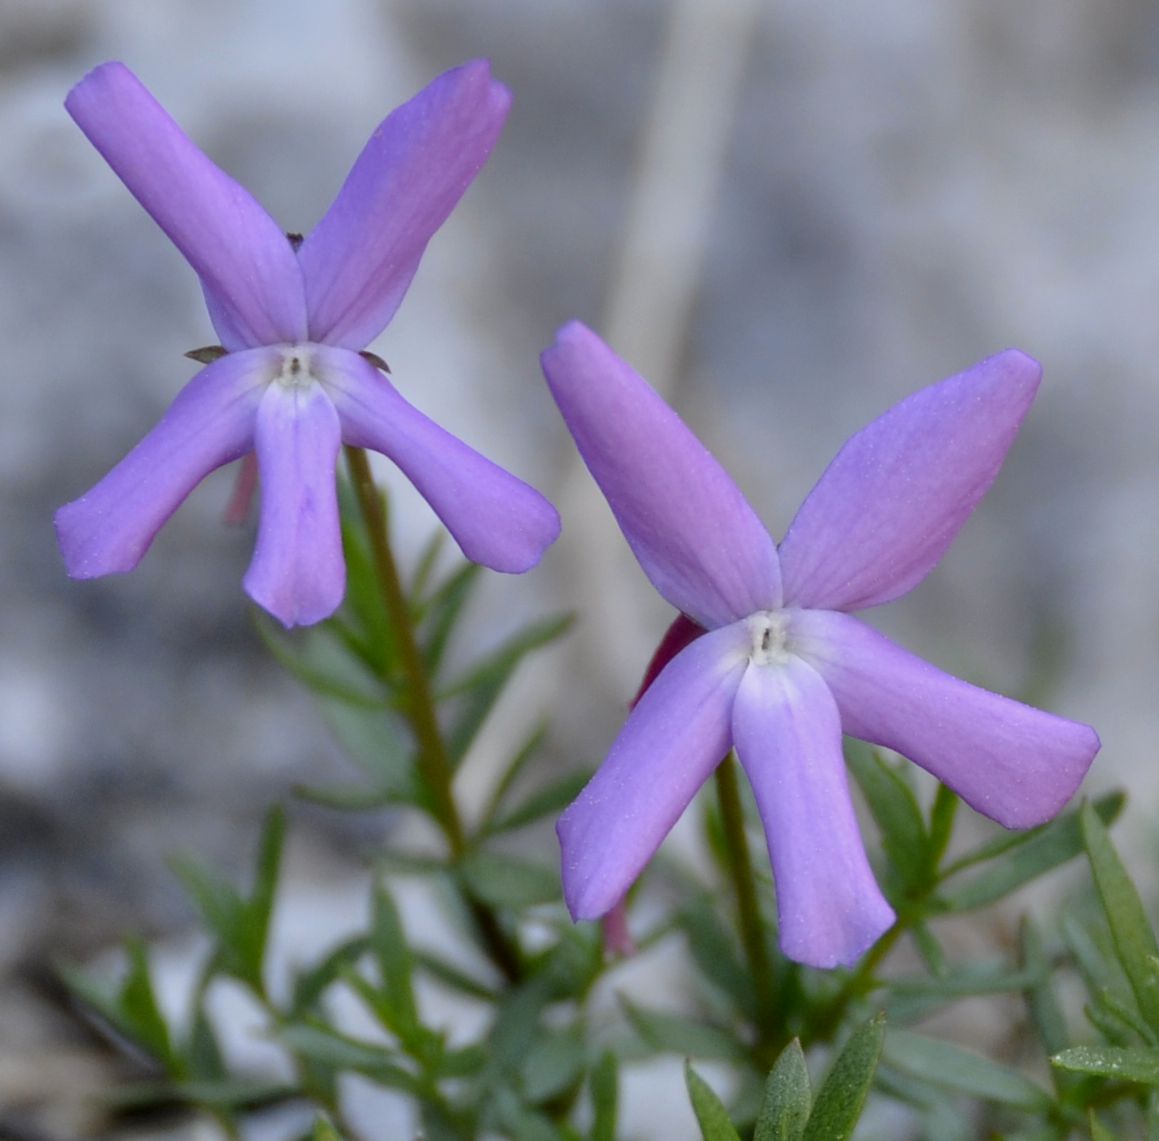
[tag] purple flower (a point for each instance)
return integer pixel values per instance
(294, 316)
(781, 669)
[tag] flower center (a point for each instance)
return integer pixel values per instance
(769, 631)
(296, 367)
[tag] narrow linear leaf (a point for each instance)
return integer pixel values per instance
(480, 688)
(324, 1131)
(507, 881)
(1099, 1132)
(1027, 855)
(842, 1096)
(788, 1098)
(710, 1112)
(604, 1084)
(1122, 1063)
(953, 1067)
(388, 943)
(546, 801)
(311, 984)
(677, 1034)
(441, 612)
(896, 811)
(526, 753)
(1134, 939)
(1046, 1013)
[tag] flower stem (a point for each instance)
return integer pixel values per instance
(420, 709)
(419, 699)
(745, 888)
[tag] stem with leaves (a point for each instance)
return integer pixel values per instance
(421, 712)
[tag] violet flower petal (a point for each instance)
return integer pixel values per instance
(496, 519)
(671, 742)
(891, 503)
(249, 272)
(109, 528)
(298, 573)
(788, 737)
(1016, 764)
(688, 524)
(359, 260)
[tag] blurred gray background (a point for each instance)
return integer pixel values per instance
(787, 215)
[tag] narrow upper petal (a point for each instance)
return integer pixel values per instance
(788, 737)
(1011, 762)
(298, 573)
(496, 519)
(109, 528)
(420, 160)
(688, 524)
(677, 734)
(889, 506)
(249, 271)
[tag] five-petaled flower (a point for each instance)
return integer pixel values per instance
(293, 317)
(778, 669)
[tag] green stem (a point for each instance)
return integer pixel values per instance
(420, 705)
(744, 886)
(420, 709)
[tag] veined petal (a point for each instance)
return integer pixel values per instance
(110, 527)
(1011, 762)
(298, 573)
(688, 524)
(788, 737)
(889, 506)
(677, 734)
(360, 259)
(496, 519)
(249, 271)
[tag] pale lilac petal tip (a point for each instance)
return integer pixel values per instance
(109, 528)
(497, 519)
(298, 572)
(673, 739)
(889, 506)
(687, 522)
(247, 267)
(1011, 762)
(359, 260)
(788, 737)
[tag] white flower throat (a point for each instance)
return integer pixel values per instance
(769, 631)
(297, 370)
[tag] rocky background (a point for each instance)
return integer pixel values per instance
(787, 215)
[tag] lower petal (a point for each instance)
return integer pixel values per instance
(1009, 761)
(496, 519)
(673, 739)
(109, 528)
(298, 573)
(788, 737)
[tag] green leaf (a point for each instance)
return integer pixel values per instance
(381, 744)
(322, 663)
(788, 1098)
(709, 1110)
(713, 945)
(526, 753)
(325, 1131)
(507, 881)
(396, 1005)
(310, 985)
(323, 1046)
(450, 975)
(481, 687)
(230, 1094)
(442, 611)
(604, 1084)
(840, 1099)
(205, 1061)
(141, 1012)
(259, 910)
(1134, 939)
(678, 1034)
(554, 1066)
(1046, 1013)
(544, 801)
(1028, 855)
(1099, 1132)
(1122, 1063)
(896, 811)
(952, 1067)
